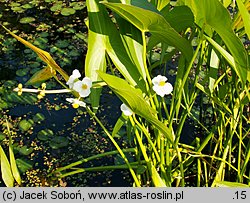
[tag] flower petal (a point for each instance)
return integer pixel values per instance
(78, 87)
(87, 81)
(126, 110)
(156, 80)
(76, 74)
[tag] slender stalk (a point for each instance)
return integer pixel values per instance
(92, 114)
(99, 168)
(85, 160)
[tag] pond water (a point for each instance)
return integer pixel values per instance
(39, 127)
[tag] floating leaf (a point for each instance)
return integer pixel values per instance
(27, 20)
(25, 125)
(67, 11)
(38, 117)
(45, 134)
(62, 43)
(24, 150)
(22, 72)
(58, 142)
(56, 7)
(27, 6)
(78, 5)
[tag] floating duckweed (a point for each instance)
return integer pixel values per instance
(25, 125)
(58, 142)
(45, 134)
(38, 117)
(56, 7)
(27, 6)
(24, 150)
(22, 72)
(27, 20)
(68, 11)
(62, 43)
(78, 5)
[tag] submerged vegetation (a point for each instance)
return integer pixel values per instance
(160, 92)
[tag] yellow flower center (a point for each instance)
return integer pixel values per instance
(75, 105)
(162, 83)
(20, 86)
(84, 86)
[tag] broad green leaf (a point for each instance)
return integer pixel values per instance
(41, 76)
(245, 16)
(104, 38)
(6, 169)
(229, 184)
(157, 180)
(179, 18)
(162, 4)
(205, 12)
(133, 98)
(43, 55)
(226, 3)
(149, 21)
(13, 164)
(132, 40)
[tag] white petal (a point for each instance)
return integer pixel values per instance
(156, 80)
(163, 90)
(81, 103)
(168, 88)
(84, 93)
(126, 110)
(70, 100)
(87, 81)
(76, 74)
(78, 86)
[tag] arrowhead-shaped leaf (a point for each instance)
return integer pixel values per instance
(133, 98)
(153, 22)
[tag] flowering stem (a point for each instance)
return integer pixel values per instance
(92, 114)
(45, 91)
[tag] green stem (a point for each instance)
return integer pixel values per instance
(92, 114)
(85, 160)
(134, 165)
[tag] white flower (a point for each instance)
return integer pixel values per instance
(126, 110)
(75, 75)
(160, 86)
(83, 87)
(76, 102)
